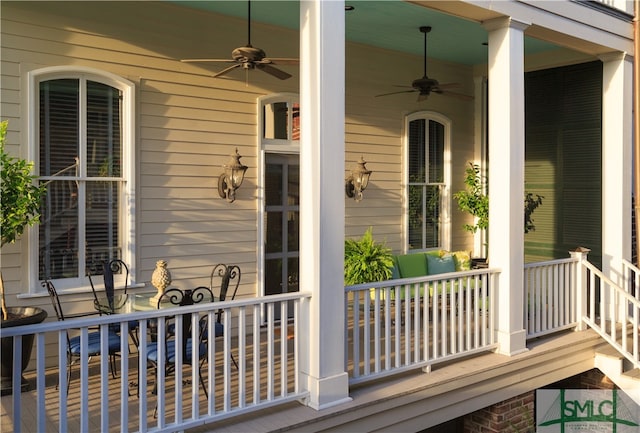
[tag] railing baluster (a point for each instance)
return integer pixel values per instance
(284, 318)
(84, 380)
(242, 350)
(104, 378)
(62, 379)
(270, 331)
(17, 382)
(88, 406)
(40, 382)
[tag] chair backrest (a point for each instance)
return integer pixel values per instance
(53, 295)
(55, 301)
(229, 275)
(179, 297)
(108, 269)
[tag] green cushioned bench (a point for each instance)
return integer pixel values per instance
(429, 263)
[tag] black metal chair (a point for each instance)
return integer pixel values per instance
(74, 347)
(229, 276)
(177, 297)
(108, 269)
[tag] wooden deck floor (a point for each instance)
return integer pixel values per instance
(52, 397)
(445, 378)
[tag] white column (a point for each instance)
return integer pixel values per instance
(506, 176)
(322, 89)
(480, 148)
(617, 163)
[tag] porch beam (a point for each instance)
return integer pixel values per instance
(617, 162)
(506, 176)
(322, 89)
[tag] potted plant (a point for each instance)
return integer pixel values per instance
(474, 201)
(366, 261)
(19, 208)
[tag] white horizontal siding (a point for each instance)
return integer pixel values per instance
(188, 122)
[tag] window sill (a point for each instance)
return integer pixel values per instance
(73, 291)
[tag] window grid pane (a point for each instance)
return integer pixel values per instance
(93, 222)
(426, 177)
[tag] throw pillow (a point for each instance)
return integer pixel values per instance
(440, 265)
(462, 260)
(412, 265)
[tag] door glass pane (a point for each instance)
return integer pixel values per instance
(273, 276)
(273, 184)
(293, 185)
(292, 277)
(293, 229)
(273, 226)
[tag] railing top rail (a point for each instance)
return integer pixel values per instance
(628, 296)
(630, 265)
(551, 262)
(422, 279)
(145, 315)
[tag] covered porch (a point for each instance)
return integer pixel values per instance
(418, 350)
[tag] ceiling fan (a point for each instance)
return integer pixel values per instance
(425, 85)
(250, 57)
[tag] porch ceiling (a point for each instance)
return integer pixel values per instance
(386, 24)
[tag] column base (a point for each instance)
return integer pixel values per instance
(328, 391)
(512, 343)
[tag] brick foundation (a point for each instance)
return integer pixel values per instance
(518, 413)
(513, 415)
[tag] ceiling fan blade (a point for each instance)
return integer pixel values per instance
(396, 93)
(207, 60)
(448, 85)
(273, 71)
(224, 71)
(282, 61)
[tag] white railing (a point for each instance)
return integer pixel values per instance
(614, 313)
(399, 325)
(631, 278)
(623, 5)
(265, 349)
(550, 296)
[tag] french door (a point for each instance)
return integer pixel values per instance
(281, 224)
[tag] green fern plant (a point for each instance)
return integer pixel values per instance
(366, 261)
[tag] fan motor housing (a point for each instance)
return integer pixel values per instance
(424, 83)
(248, 54)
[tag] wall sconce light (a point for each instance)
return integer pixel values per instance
(358, 180)
(232, 177)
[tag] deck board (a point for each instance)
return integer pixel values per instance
(469, 371)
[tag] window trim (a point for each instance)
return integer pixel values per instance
(33, 79)
(445, 210)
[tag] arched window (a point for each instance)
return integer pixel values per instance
(428, 181)
(81, 138)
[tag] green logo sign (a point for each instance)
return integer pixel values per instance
(585, 410)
